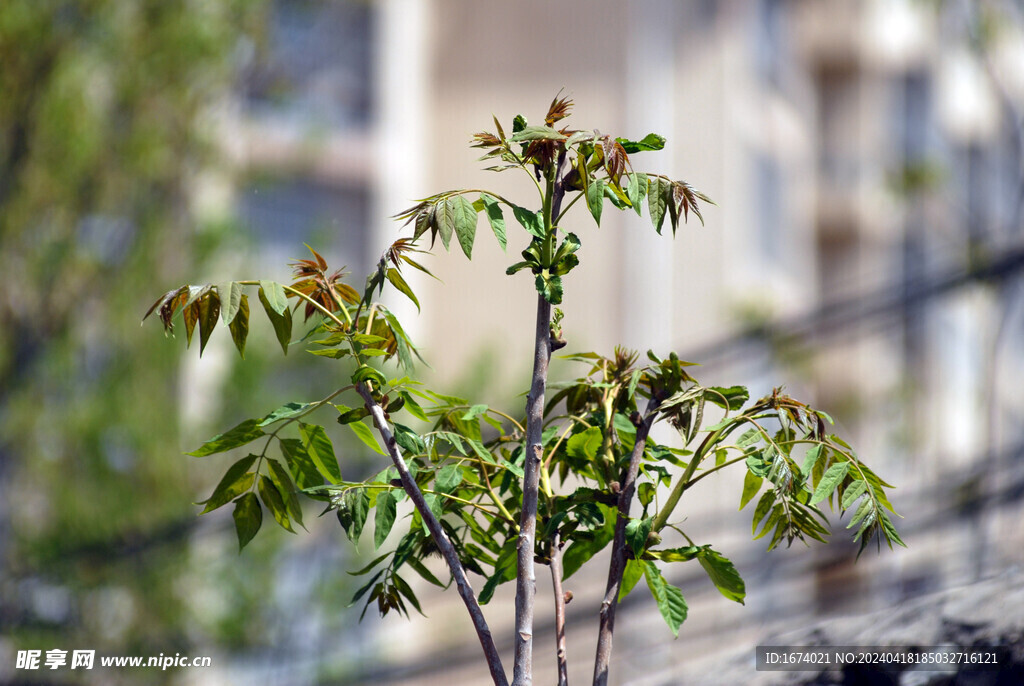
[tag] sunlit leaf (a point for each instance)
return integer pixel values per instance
(671, 603)
(830, 481)
(531, 221)
(723, 575)
(631, 576)
(275, 297)
(637, 531)
(364, 434)
(320, 449)
(448, 478)
(659, 196)
(595, 198)
(751, 485)
(495, 217)
(537, 133)
(651, 141)
(286, 411)
(245, 432)
(235, 481)
(399, 283)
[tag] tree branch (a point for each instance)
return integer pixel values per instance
(440, 539)
(617, 566)
(560, 601)
(526, 581)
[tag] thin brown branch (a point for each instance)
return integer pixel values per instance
(440, 539)
(526, 580)
(560, 600)
(618, 562)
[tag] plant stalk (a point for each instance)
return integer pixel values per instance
(617, 566)
(526, 580)
(526, 577)
(560, 601)
(483, 632)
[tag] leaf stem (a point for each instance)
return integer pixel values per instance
(440, 538)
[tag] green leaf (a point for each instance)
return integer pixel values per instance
(495, 217)
(369, 567)
(209, 309)
(408, 440)
(406, 592)
(518, 266)
(651, 141)
(364, 434)
(274, 296)
(764, 505)
(637, 531)
(364, 372)
(675, 554)
(751, 485)
(355, 506)
(239, 326)
(399, 283)
(723, 575)
(630, 577)
(731, 398)
(448, 478)
(829, 481)
(334, 353)
(230, 293)
(584, 445)
(384, 519)
(550, 287)
(636, 189)
(282, 323)
(300, 464)
(813, 455)
(464, 217)
(645, 493)
(348, 416)
(245, 432)
(670, 599)
(595, 199)
(531, 221)
(284, 485)
(537, 133)
(474, 412)
(582, 549)
(424, 572)
(659, 197)
(235, 481)
(319, 448)
(248, 517)
(274, 502)
(413, 407)
(444, 217)
(286, 411)
(851, 494)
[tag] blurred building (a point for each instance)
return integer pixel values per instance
(866, 252)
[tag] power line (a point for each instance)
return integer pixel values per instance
(839, 316)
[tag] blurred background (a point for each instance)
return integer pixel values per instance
(866, 251)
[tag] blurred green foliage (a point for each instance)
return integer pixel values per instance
(102, 106)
